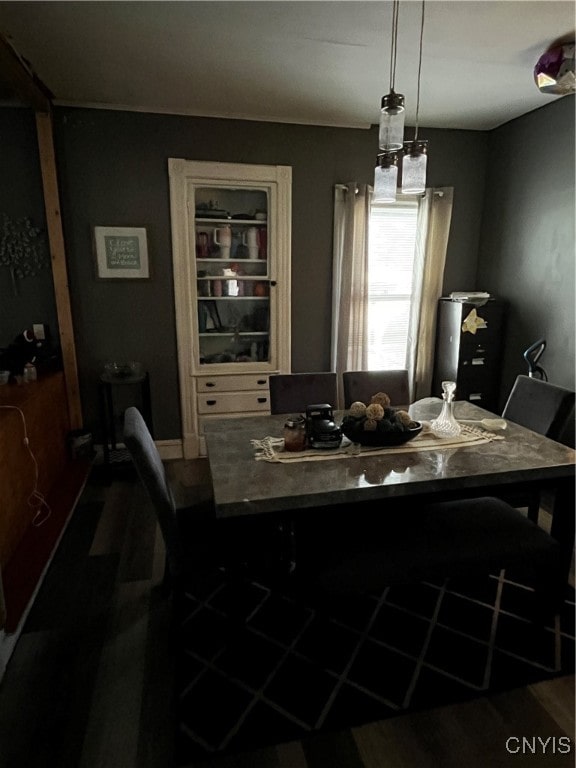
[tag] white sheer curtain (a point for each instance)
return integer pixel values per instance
(350, 270)
(434, 217)
(349, 277)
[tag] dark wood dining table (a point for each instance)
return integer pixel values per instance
(522, 460)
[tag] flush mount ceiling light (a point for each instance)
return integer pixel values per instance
(391, 133)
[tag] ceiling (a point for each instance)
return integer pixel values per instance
(320, 63)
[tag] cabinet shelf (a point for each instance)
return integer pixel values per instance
(229, 260)
(247, 278)
(233, 333)
(233, 298)
(236, 222)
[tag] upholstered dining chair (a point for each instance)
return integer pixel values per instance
(453, 539)
(545, 408)
(292, 392)
(361, 385)
(188, 533)
(541, 406)
(197, 545)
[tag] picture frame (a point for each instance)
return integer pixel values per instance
(121, 253)
(208, 317)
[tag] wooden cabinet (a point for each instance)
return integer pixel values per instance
(469, 346)
(231, 256)
(35, 412)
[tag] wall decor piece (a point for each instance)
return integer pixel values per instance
(121, 253)
(23, 248)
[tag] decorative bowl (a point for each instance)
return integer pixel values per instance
(354, 431)
(125, 370)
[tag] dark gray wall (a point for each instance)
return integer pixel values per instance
(113, 172)
(527, 251)
(21, 196)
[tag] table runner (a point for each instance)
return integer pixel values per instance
(272, 448)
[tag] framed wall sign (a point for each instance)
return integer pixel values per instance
(121, 253)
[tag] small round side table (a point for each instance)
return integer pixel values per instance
(115, 395)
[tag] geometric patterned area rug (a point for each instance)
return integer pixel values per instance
(292, 671)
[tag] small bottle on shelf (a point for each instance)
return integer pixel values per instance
(30, 372)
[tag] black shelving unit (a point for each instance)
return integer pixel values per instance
(472, 360)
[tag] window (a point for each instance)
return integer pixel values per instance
(391, 253)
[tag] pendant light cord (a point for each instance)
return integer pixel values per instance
(395, 9)
(419, 74)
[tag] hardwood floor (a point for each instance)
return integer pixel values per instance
(89, 682)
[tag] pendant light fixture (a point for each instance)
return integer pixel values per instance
(392, 113)
(385, 178)
(391, 130)
(415, 152)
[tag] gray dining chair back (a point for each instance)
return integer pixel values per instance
(292, 392)
(195, 543)
(361, 385)
(150, 468)
(542, 407)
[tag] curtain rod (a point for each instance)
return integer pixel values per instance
(436, 192)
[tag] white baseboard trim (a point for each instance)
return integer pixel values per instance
(170, 449)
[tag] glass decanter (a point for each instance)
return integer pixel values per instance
(445, 425)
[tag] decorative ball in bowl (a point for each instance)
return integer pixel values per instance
(377, 424)
(125, 370)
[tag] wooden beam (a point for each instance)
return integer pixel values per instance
(27, 87)
(59, 269)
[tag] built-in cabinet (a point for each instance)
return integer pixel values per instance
(231, 226)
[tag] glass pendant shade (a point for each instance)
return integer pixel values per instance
(414, 168)
(392, 113)
(385, 181)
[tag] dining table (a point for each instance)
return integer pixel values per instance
(249, 482)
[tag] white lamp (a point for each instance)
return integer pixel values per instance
(414, 167)
(392, 113)
(385, 178)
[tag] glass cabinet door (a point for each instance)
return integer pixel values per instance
(230, 243)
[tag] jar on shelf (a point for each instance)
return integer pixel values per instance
(30, 373)
(295, 434)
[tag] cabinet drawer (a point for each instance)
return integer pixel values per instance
(212, 417)
(231, 383)
(233, 402)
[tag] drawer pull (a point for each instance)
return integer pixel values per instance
(211, 402)
(210, 383)
(262, 399)
(261, 381)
